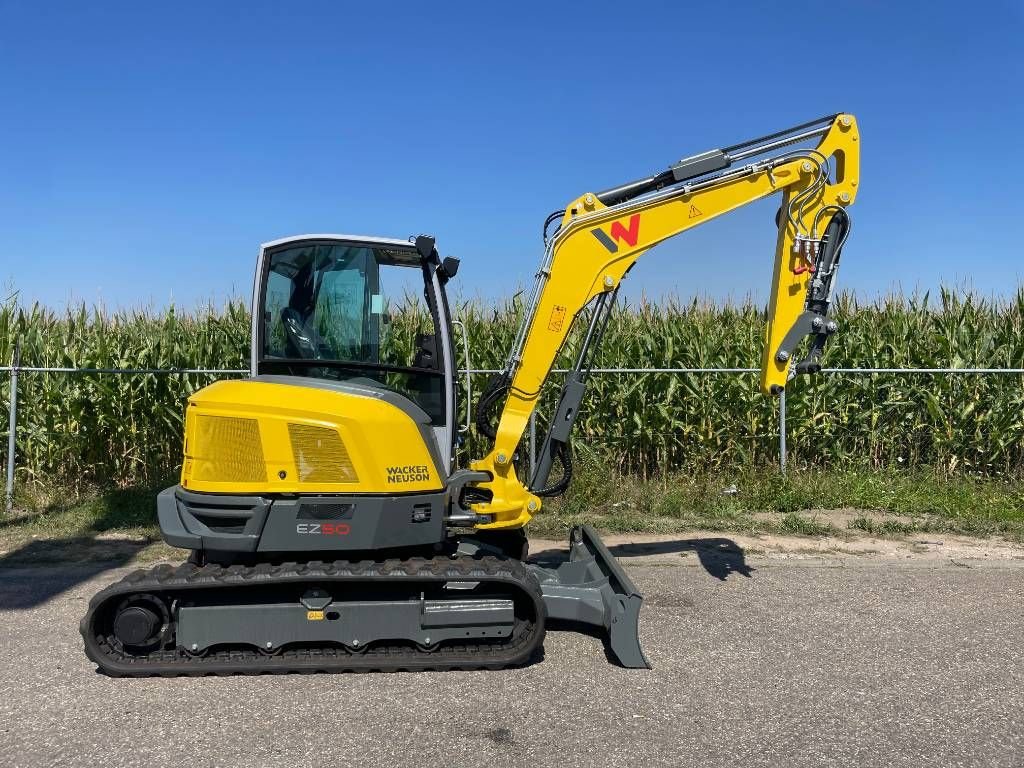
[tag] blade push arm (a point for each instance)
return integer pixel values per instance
(602, 235)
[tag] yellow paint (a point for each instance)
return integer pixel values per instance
(314, 615)
(374, 434)
(583, 267)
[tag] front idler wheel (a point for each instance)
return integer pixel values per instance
(141, 622)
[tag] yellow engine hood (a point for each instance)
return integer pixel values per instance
(294, 435)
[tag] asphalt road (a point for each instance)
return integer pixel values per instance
(848, 662)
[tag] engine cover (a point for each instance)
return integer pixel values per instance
(284, 434)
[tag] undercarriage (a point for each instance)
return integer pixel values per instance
(465, 610)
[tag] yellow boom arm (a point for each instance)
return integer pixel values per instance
(597, 243)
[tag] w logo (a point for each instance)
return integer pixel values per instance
(617, 233)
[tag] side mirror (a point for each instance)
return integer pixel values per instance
(450, 265)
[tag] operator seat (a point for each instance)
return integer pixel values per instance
(302, 336)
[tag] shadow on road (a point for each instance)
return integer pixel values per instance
(95, 545)
(720, 557)
(69, 562)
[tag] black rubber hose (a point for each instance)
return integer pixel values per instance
(495, 390)
(564, 456)
(554, 215)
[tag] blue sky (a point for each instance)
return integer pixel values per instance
(147, 149)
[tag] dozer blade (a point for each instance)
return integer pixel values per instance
(594, 589)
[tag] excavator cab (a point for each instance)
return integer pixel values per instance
(323, 311)
(346, 419)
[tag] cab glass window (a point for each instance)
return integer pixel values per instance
(353, 313)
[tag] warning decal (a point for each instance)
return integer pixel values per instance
(694, 211)
(557, 318)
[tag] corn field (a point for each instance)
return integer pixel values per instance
(125, 429)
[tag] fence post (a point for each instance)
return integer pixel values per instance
(782, 431)
(12, 424)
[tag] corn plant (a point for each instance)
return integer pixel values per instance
(126, 429)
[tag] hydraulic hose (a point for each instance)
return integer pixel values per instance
(495, 391)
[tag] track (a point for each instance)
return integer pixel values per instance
(190, 582)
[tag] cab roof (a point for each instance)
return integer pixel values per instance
(369, 239)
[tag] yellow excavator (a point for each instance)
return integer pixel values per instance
(329, 526)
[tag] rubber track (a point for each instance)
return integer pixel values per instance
(182, 580)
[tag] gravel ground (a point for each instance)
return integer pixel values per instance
(759, 661)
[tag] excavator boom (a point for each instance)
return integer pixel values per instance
(603, 234)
